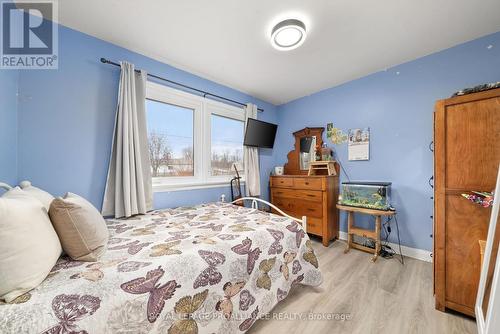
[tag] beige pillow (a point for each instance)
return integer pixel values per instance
(81, 228)
(38, 193)
(29, 246)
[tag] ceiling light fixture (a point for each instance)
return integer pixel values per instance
(288, 35)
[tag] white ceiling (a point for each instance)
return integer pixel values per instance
(227, 41)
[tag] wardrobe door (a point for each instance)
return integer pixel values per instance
(466, 158)
(466, 224)
(472, 144)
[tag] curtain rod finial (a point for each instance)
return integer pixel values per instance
(104, 60)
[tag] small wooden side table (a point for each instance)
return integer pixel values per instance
(323, 167)
(373, 234)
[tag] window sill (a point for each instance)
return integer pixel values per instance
(159, 187)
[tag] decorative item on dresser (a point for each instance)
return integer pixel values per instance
(314, 196)
(322, 167)
(466, 158)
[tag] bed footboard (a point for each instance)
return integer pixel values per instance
(255, 205)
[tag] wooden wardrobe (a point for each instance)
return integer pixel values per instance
(466, 158)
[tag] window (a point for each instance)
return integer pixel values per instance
(170, 139)
(193, 142)
(227, 145)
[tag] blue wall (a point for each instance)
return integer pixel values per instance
(8, 126)
(397, 105)
(67, 118)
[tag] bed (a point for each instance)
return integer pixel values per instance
(212, 268)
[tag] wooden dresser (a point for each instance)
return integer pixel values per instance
(310, 196)
(466, 158)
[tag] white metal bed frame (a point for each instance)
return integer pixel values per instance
(5, 186)
(255, 201)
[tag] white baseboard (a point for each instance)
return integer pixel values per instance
(419, 254)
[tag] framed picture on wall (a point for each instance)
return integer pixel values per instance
(359, 144)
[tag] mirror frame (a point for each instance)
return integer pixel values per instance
(292, 167)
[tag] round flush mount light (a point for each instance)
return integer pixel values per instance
(288, 35)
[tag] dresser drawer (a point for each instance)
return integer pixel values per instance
(309, 209)
(285, 204)
(279, 202)
(285, 210)
(282, 182)
(299, 208)
(308, 183)
(282, 192)
(315, 226)
(309, 195)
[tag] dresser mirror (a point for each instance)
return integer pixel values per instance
(307, 152)
(306, 140)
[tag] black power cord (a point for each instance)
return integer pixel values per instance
(342, 167)
(399, 239)
(386, 250)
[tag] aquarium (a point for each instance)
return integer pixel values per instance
(371, 195)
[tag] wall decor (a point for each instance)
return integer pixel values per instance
(359, 144)
(335, 135)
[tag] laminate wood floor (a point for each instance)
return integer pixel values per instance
(382, 297)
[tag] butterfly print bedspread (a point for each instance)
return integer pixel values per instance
(213, 268)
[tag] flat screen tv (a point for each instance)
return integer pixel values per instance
(260, 134)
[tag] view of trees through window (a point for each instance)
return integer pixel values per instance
(227, 145)
(170, 139)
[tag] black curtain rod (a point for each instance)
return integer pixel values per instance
(204, 93)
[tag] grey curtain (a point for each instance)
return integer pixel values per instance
(251, 159)
(129, 185)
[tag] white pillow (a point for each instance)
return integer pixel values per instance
(29, 246)
(38, 193)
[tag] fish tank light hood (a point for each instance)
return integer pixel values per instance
(369, 183)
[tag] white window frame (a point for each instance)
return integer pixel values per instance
(203, 109)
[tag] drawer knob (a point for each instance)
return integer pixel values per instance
(307, 183)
